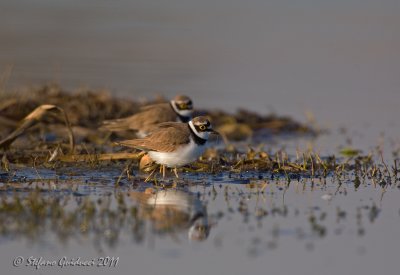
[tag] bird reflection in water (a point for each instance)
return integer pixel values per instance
(173, 211)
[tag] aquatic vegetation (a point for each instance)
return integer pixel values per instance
(45, 140)
(85, 110)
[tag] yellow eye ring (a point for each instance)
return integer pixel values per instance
(202, 127)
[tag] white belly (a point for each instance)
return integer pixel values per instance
(184, 155)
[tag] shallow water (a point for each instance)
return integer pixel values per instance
(228, 223)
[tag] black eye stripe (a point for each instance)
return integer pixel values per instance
(201, 127)
(187, 104)
(181, 106)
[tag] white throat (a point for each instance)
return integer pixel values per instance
(184, 113)
(203, 135)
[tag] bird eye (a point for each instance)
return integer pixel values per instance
(182, 106)
(202, 127)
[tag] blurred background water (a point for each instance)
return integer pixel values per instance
(339, 60)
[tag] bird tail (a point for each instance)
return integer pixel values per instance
(134, 143)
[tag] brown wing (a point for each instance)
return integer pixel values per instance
(151, 106)
(148, 117)
(165, 138)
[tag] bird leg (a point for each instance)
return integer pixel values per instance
(151, 174)
(176, 172)
(163, 171)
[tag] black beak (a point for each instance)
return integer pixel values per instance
(213, 131)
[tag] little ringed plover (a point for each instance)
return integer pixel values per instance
(174, 144)
(179, 109)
